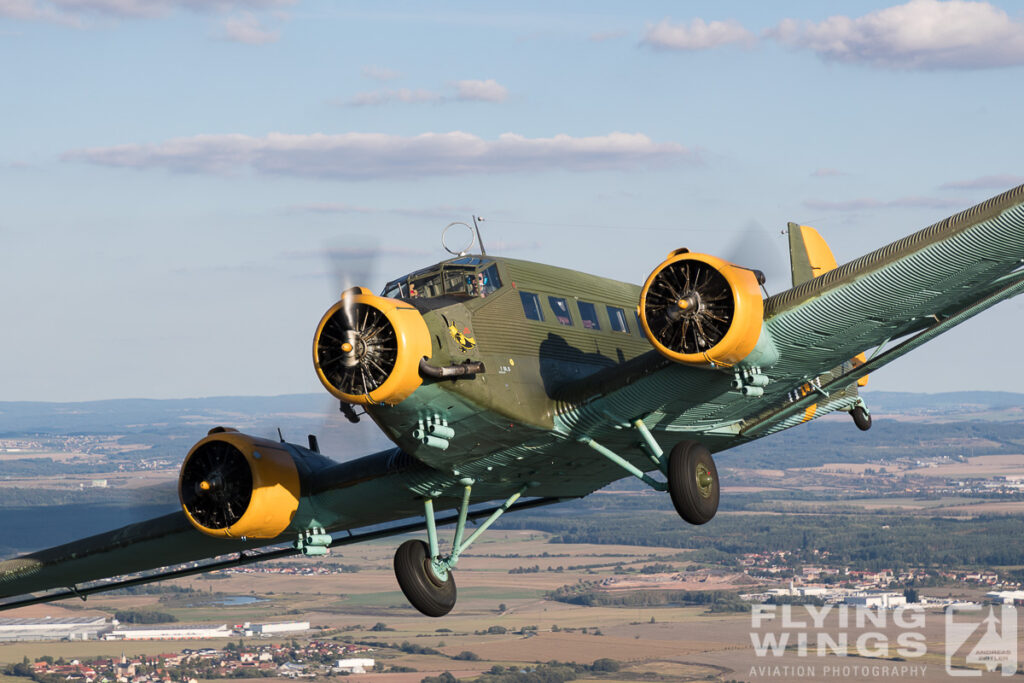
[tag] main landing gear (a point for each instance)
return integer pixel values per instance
(693, 482)
(422, 584)
(689, 468)
(425, 576)
(861, 416)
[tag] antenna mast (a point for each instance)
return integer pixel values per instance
(478, 239)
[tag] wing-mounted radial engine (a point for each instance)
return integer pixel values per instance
(701, 310)
(237, 486)
(367, 348)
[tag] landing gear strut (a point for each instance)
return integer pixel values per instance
(693, 482)
(689, 468)
(424, 575)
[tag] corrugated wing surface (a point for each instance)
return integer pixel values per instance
(898, 288)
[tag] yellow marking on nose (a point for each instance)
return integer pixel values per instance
(683, 304)
(205, 485)
(346, 347)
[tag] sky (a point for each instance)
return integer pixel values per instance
(176, 174)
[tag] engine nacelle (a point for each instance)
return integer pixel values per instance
(367, 348)
(233, 486)
(701, 310)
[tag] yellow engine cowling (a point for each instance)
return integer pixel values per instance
(236, 486)
(701, 310)
(367, 349)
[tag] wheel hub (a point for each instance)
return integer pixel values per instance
(437, 571)
(704, 481)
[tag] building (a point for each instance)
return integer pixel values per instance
(884, 600)
(48, 628)
(200, 632)
(275, 629)
(1005, 597)
(354, 666)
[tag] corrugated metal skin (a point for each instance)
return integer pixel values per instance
(501, 323)
(892, 291)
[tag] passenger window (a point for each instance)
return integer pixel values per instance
(560, 309)
(617, 317)
(639, 326)
(531, 306)
(588, 314)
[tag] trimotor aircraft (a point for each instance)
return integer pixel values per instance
(506, 384)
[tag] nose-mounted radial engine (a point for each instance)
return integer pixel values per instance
(702, 310)
(367, 349)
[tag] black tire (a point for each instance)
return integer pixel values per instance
(421, 587)
(861, 418)
(695, 503)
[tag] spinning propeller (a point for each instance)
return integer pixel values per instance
(689, 306)
(216, 485)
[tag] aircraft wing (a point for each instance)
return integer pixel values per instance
(354, 501)
(891, 300)
(908, 286)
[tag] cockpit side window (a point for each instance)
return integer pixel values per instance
(463, 277)
(458, 281)
(488, 281)
(427, 287)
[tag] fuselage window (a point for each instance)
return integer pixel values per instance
(531, 306)
(588, 314)
(617, 317)
(560, 309)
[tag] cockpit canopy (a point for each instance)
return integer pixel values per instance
(464, 277)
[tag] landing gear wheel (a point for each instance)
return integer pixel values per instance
(861, 418)
(693, 482)
(423, 589)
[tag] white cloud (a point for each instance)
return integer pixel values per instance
(697, 35)
(480, 91)
(71, 11)
(365, 156)
(922, 34)
(29, 10)
(405, 95)
(867, 204)
(379, 73)
(246, 28)
(464, 91)
(988, 182)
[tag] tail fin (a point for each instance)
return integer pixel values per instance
(809, 257)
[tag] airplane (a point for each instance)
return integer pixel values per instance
(509, 384)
